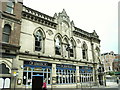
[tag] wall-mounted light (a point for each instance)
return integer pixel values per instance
(21, 67)
(15, 71)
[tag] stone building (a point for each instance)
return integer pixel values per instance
(108, 59)
(116, 65)
(38, 47)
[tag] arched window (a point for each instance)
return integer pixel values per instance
(58, 46)
(38, 40)
(65, 47)
(6, 33)
(10, 7)
(97, 52)
(84, 51)
(71, 49)
(5, 70)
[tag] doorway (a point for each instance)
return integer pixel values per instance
(37, 82)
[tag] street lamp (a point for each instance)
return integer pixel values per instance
(14, 74)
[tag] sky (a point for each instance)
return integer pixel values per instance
(88, 15)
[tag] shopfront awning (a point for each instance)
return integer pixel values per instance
(117, 73)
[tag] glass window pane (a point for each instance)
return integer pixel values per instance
(5, 38)
(57, 46)
(10, 4)
(24, 77)
(49, 78)
(1, 82)
(37, 48)
(38, 41)
(7, 29)
(7, 83)
(9, 9)
(29, 78)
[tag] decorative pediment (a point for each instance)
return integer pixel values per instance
(50, 32)
(63, 16)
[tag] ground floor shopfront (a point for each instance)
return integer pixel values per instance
(58, 74)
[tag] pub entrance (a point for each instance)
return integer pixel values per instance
(37, 82)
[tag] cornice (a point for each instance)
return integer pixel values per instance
(54, 58)
(86, 35)
(9, 46)
(11, 18)
(39, 20)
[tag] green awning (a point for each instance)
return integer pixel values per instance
(117, 73)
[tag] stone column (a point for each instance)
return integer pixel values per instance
(77, 77)
(53, 75)
(77, 74)
(93, 74)
(19, 77)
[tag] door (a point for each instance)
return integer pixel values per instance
(37, 82)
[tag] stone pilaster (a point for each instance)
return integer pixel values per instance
(53, 74)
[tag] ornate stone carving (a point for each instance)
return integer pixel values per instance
(65, 26)
(50, 32)
(78, 41)
(8, 22)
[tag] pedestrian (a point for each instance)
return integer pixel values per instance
(117, 80)
(44, 87)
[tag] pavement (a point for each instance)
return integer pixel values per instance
(113, 86)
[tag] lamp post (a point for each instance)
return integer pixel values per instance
(14, 74)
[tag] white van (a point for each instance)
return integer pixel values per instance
(111, 80)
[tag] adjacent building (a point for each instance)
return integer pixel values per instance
(107, 59)
(10, 26)
(116, 65)
(38, 47)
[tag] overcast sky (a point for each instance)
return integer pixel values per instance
(89, 15)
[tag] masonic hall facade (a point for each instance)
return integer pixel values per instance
(53, 48)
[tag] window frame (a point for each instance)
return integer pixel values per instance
(65, 76)
(6, 34)
(38, 43)
(84, 51)
(8, 6)
(71, 50)
(58, 47)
